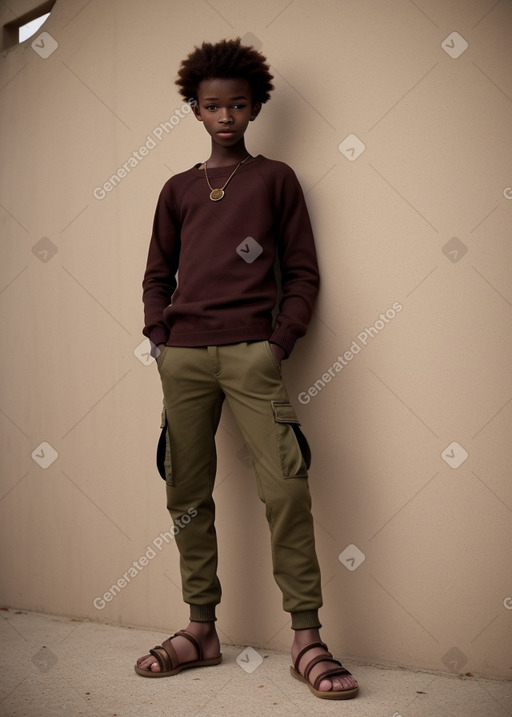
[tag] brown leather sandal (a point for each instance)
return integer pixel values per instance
(169, 662)
(338, 671)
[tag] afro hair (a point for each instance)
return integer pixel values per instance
(226, 59)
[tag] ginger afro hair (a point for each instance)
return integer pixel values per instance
(226, 59)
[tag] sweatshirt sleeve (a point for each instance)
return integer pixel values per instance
(159, 280)
(298, 263)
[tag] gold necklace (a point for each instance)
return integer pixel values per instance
(217, 194)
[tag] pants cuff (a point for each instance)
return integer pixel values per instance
(305, 620)
(202, 613)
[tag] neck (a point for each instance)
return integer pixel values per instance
(226, 156)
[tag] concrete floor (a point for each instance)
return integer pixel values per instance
(56, 666)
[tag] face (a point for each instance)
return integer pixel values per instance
(226, 108)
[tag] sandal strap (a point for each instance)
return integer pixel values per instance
(334, 672)
(316, 660)
(166, 656)
(305, 649)
(193, 639)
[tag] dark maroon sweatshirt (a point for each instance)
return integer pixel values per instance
(210, 277)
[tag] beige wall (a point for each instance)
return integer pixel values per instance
(434, 178)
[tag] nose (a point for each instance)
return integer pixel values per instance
(225, 116)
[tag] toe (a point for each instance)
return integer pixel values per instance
(325, 686)
(148, 662)
(344, 683)
(337, 684)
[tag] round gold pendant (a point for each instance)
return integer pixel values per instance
(216, 194)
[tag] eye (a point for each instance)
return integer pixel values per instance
(239, 107)
(211, 108)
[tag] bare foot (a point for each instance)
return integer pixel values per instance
(305, 637)
(205, 633)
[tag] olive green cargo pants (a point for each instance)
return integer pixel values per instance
(195, 382)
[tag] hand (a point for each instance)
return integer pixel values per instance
(278, 351)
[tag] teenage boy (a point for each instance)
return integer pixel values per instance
(209, 295)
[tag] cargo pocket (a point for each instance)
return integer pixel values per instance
(294, 451)
(163, 452)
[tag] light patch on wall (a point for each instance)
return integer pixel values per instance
(30, 28)
(24, 26)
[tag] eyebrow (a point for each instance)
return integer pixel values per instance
(232, 99)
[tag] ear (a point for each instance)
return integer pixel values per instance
(255, 111)
(197, 111)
